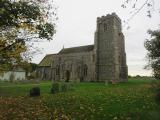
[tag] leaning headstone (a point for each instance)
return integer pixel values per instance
(64, 87)
(55, 88)
(35, 91)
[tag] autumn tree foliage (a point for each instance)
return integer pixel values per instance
(23, 22)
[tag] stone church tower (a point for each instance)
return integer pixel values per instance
(103, 61)
(110, 50)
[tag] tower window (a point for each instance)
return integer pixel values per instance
(105, 27)
(93, 58)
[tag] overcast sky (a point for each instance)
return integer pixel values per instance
(77, 24)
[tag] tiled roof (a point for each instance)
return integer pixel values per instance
(46, 61)
(77, 49)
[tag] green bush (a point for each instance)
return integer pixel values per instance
(158, 97)
(155, 86)
(129, 76)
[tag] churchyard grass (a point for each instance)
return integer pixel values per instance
(19, 88)
(91, 101)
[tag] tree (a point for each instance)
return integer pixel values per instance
(23, 22)
(136, 6)
(153, 48)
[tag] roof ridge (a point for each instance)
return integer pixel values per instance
(50, 54)
(46, 60)
(77, 46)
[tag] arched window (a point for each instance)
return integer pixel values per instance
(79, 71)
(57, 70)
(85, 70)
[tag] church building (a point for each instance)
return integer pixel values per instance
(103, 61)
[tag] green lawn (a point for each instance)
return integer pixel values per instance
(91, 101)
(16, 89)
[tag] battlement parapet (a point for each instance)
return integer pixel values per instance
(103, 18)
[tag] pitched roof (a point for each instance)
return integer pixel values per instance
(77, 49)
(46, 61)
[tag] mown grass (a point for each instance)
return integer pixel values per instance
(16, 89)
(133, 100)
